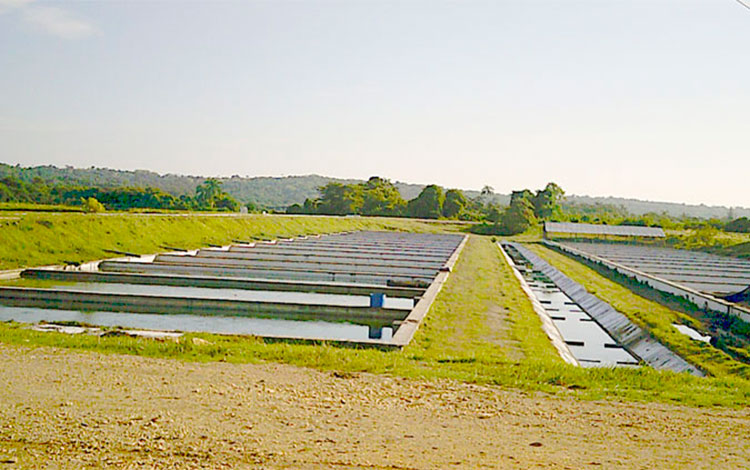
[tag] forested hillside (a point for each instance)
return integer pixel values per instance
(281, 192)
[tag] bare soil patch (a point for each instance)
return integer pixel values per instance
(70, 410)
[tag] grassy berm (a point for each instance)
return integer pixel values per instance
(34, 239)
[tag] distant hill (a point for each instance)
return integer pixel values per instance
(638, 207)
(280, 192)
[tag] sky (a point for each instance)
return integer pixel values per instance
(647, 99)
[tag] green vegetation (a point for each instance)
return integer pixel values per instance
(209, 195)
(455, 203)
(710, 239)
(92, 206)
(429, 203)
(525, 210)
(33, 207)
(656, 318)
(740, 250)
(379, 197)
(279, 193)
(480, 329)
(741, 225)
(36, 239)
(275, 193)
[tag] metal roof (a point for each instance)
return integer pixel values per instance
(594, 229)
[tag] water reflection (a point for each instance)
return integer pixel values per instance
(207, 324)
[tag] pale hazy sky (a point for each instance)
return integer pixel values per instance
(646, 99)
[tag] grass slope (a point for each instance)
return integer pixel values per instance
(36, 239)
(481, 328)
(650, 315)
(712, 241)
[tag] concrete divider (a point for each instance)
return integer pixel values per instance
(10, 274)
(222, 283)
(372, 252)
(253, 273)
(322, 258)
(357, 268)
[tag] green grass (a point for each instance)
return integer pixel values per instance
(650, 315)
(711, 241)
(737, 250)
(38, 239)
(33, 207)
(481, 329)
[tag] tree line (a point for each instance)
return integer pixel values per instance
(209, 195)
(279, 192)
(375, 197)
(380, 197)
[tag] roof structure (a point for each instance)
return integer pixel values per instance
(594, 229)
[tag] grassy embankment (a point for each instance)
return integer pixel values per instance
(481, 327)
(33, 207)
(651, 315)
(711, 241)
(42, 239)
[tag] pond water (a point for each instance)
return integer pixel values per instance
(686, 330)
(198, 323)
(588, 341)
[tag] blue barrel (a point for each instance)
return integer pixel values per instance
(377, 300)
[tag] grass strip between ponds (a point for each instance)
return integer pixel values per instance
(481, 328)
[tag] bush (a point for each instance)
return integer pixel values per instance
(91, 205)
(741, 225)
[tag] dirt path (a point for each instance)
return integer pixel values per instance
(71, 410)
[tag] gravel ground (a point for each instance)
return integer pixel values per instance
(61, 409)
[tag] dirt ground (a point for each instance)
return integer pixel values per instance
(70, 410)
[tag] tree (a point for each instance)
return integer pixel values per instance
(521, 194)
(547, 201)
(429, 203)
(91, 205)
(518, 217)
(741, 225)
(207, 192)
(494, 214)
(454, 204)
(210, 195)
(295, 209)
(339, 199)
(226, 202)
(310, 206)
(381, 197)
